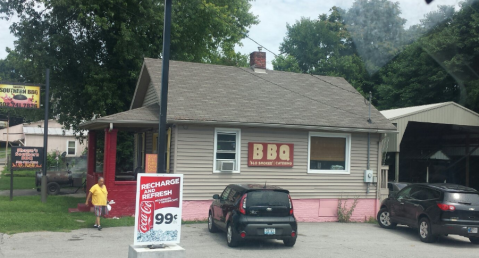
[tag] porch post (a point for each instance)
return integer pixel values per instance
(109, 158)
(91, 160)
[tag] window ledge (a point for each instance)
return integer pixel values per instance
(332, 172)
(232, 172)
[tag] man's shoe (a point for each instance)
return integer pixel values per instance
(95, 226)
(99, 227)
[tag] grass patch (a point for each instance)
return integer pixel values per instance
(18, 183)
(20, 173)
(2, 153)
(29, 214)
(371, 220)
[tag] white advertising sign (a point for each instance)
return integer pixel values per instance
(158, 209)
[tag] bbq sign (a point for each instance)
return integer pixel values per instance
(19, 96)
(270, 154)
(27, 157)
(158, 209)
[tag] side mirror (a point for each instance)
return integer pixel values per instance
(216, 196)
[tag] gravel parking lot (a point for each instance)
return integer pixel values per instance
(315, 239)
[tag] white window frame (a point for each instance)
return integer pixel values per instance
(68, 141)
(347, 166)
(238, 148)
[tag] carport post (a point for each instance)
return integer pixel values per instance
(396, 168)
(467, 159)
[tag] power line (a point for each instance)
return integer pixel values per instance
(260, 45)
(357, 93)
(280, 85)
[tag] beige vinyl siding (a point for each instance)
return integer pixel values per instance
(195, 161)
(55, 143)
(151, 97)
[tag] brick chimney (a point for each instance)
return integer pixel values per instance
(257, 61)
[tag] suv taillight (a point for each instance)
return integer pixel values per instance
(446, 207)
(290, 205)
(242, 204)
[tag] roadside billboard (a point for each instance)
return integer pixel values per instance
(19, 96)
(27, 157)
(158, 209)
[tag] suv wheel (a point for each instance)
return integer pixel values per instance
(211, 224)
(289, 242)
(231, 237)
(425, 231)
(474, 240)
(384, 219)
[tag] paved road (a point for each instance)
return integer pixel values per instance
(315, 240)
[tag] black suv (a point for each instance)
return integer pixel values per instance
(252, 211)
(434, 209)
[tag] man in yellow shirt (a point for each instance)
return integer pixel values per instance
(99, 200)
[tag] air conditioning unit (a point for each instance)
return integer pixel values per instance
(227, 166)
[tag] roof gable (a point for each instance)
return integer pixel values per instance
(213, 93)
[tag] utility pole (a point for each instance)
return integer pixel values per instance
(160, 168)
(45, 138)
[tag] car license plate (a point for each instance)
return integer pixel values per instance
(472, 230)
(272, 231)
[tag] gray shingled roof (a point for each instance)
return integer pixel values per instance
(132, 118)
(204, 92)
(208, 93)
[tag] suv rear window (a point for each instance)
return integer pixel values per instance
(267, 198)
(467, 198)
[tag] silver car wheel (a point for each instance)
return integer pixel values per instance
(229, 234)
(210, 222)
(384, 218)
(423, 229)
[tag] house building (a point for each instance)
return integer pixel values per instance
(308, 134)
(31, 134)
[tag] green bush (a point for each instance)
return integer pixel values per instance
(344, 213)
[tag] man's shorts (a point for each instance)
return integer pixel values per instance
(101, 211)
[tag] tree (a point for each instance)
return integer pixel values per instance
(439, 66)
(322, 47)
(95, 48)
(377, 31)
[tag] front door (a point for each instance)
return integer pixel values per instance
(397, 205)
(219, 209)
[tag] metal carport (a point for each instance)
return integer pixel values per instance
(436, 143)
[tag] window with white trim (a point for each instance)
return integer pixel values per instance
(329, 153)
(71, 147)
(227, 150)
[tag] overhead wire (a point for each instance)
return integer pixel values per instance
(288, 89)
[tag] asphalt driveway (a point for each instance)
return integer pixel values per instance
(315, 240)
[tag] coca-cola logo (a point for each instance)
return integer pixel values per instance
(146, 216)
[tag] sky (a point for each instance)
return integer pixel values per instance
(274, 15)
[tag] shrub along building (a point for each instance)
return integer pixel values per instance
(308, 134)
